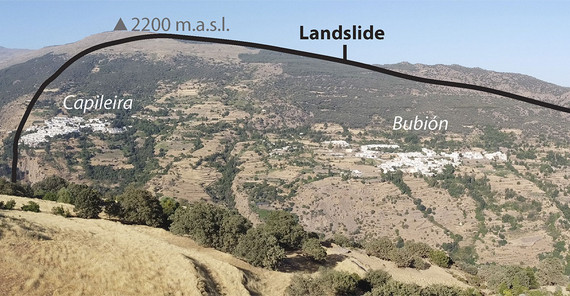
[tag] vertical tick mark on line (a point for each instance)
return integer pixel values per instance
(344, 54)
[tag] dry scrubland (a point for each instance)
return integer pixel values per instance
(45, 254)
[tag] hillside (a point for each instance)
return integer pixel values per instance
(511, 82)
(47, 254)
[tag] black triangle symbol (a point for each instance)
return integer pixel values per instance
(120, 26)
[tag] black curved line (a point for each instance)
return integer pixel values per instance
(259, 46)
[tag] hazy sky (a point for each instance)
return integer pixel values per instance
(529, 37)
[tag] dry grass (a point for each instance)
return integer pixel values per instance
(44, 254)
(45, 205)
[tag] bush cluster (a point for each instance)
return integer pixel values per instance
(228, 231)
(410, 254)
(374, 283)
(31, 207)
(8, 205)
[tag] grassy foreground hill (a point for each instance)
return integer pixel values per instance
(45, 254)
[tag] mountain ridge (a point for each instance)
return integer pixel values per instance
(69, 49)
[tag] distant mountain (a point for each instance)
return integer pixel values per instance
(10, 53)
(324, 91)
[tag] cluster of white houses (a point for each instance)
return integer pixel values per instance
(426, 162)
(429, 162)
(65, 125)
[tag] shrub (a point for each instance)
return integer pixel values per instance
(441, 290)
(499, 277)
(419, 249)
(551, 272)
(31, 207)
(440, 258)
(328, 282)
(15, 189)
(339, 282)
(342, 240)
(64, 196)
(401, 258)
(304, 286)
(312, 248)
(377, 278)
(10, 204)
(393, 288)
(50, 196)
(468, 268)
(59, 210)
(419, 263)
(259, 248)
(381, 248)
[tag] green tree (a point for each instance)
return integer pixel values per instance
(139, 206)
(285, 227)
(312, 248)
(260, 248)
(88, 203)
(210, 225)
(169, 206)
(51, 184)
(64, 196)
